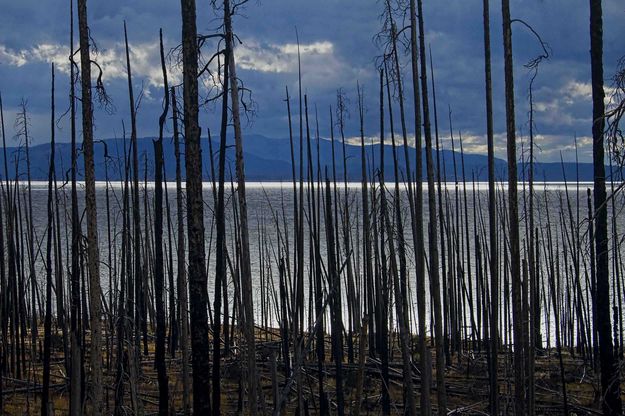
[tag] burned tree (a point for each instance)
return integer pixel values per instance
(513, 214)
(610, 388)
(93, 256)
(198, 295)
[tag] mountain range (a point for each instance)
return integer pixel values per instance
(269, 159)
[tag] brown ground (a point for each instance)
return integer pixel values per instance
(466, 381)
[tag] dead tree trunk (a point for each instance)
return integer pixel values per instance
(246, 272)
(513, 213)
(609, 366)
(3, 283)
(403, 325)
(492, 221)
(47, 332)
(75, 405)
(195, 214)
(383, 296)
(93, 256)
(335, 289)
(220, 255)
(137, 271)
(159, 277)
(432, 234)
(180, 254)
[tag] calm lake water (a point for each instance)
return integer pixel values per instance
(268, 201)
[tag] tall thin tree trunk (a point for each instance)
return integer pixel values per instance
(610, 387)
(383, 297)
(432, 234)
(533, 338)
(3, 284)
(30, 239)
(299, 281)
(220, 264)
(246, 272)
(404, 329)
(137, 270)
(418, 234)
(513, 213)
(180, 255)
(47, 332)
(159, 278)
(195, 214)
(334, 278)
(93, 256)
(492, 222)
(122, 322)
(75, 334)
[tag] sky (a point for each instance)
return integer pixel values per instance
(339, 51)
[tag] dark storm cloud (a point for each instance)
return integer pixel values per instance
(338, 50)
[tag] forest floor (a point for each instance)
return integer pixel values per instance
(466, 376)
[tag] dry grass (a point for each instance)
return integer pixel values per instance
(467, 383)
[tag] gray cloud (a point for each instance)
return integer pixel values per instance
(337, 41)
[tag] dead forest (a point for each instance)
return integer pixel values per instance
(419, 295)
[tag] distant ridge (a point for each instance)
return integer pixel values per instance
(268, 159)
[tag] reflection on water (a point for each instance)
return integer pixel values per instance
(273, 201)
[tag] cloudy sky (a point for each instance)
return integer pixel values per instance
(338, 50)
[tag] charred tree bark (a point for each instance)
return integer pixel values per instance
(93, 255)
(492, 222)
(75, 333)
(383, 297)
(513, 213)
(3, 282)
(220, 255)
(180, 254)
(404, 330)
(47, 332)
(246, 272)
(159, 277)
(609, 365)
(195, 214)
(432, 234)
(335, 288)
(137, 272)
